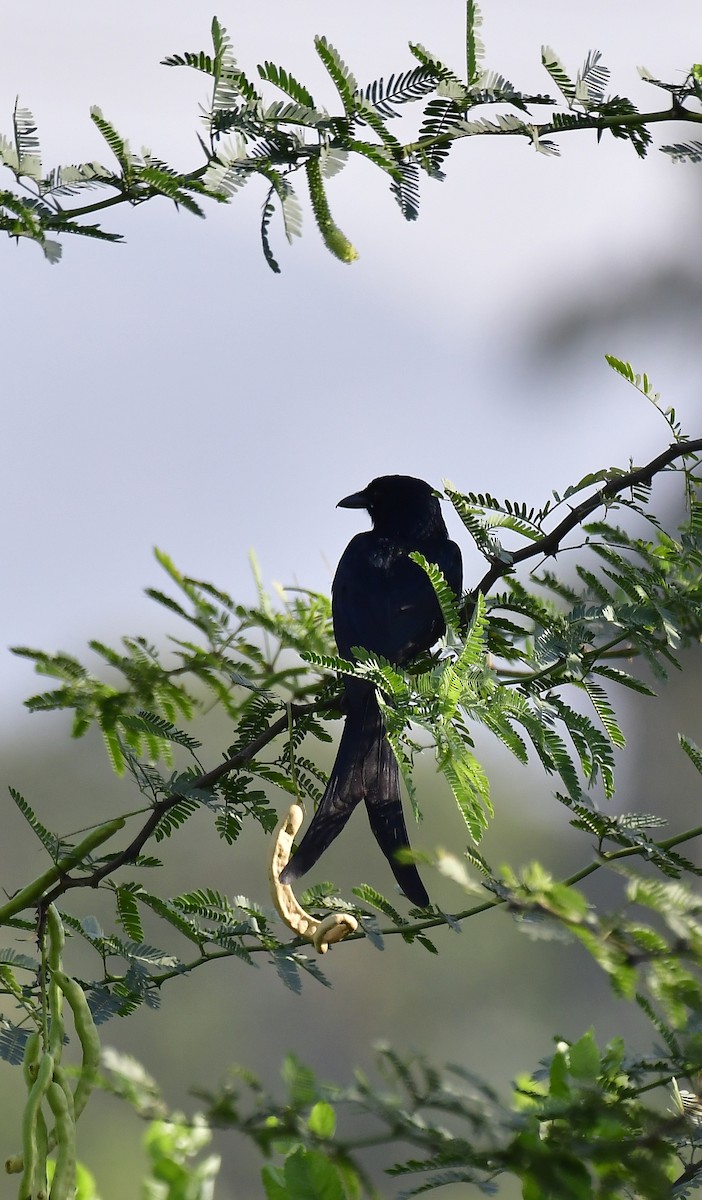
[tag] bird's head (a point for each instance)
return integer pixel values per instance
(399, 505)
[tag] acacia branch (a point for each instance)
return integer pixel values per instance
(545, 546)
(677, 112)
(549, 545)
(206, 780)
(297, 158)
(604, 859)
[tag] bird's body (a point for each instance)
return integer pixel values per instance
(382, 601)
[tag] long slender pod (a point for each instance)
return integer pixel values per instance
(87, 1035)
(57, 940)
(30, 1143)
(63, 1184)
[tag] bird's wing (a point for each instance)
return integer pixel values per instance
(384, 602)
(448, 559)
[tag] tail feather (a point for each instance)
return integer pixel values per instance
(365, 769)
(346, 787)
(387, 821)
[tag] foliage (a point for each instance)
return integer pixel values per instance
(539, 663)
(248, 134)
(580, 1125)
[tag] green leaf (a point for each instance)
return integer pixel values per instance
(344, 80)
(558, 73)
(274, 1183)
(474, 47)
(559, 1085)
(641, 382)
(13, 1040)
(8, 154)
(447, 599)
(469, 784)
(291, 212)
(199, 60)
(593, 748)
(405, 188)
(175, 817)
(622, 368)
(114, 749)
(684, 152)
(472, 655)
(151, 723)
(300, 1081)
(584, 1058)
(287, 83)
(630, 681)
(369, 895)
(50, 841)
(168, 183)
(26, 142)
(166, 910)
(591, 81)
(288, 970)
(24, 962)
(603, 708)
(400, 89)
(322, 1120)
(128, 911)
(118, 145)
(310, 1175)
(692, 751)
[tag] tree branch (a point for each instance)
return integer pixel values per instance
(549, 545)
(603, 860)
(206, 780)
(677, 112)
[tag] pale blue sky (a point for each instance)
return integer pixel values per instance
(172, 391)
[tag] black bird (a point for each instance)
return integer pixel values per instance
(383, 602)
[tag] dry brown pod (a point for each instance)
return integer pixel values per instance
(322, 934)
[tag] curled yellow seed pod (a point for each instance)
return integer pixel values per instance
(335, 926)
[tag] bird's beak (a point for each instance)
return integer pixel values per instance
(357, 500)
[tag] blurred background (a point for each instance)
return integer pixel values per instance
(173, 392)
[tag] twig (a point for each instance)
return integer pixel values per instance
(549, 544)
(437, 922)
(204, 781)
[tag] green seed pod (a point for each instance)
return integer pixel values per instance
(40, 1182)
(63, 1184)
(61, 1078)
(45, 1141)
(57, 940)
(33, 892)
(30, 1147)
(334, 238)
(87, 1035)
(57, 937)
(32, 1058)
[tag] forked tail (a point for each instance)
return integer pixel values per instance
(365, 769)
